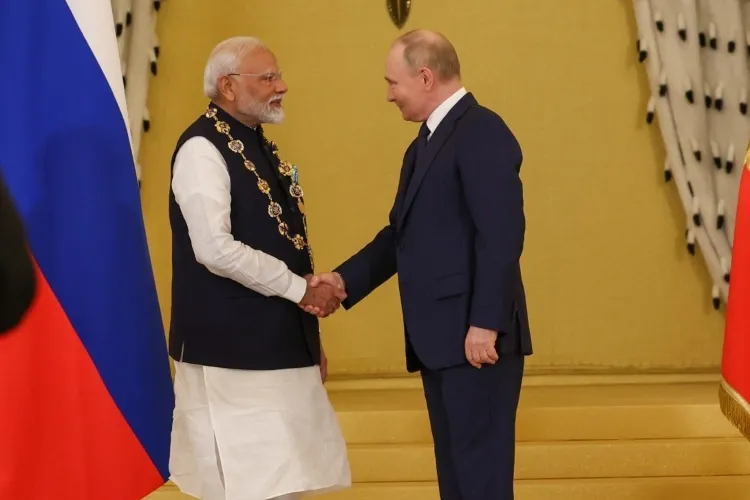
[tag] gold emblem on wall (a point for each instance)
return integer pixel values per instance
(399, 11)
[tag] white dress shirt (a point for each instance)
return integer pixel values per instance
(201, 186)
(439, 113)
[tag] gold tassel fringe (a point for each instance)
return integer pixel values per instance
(734, 408)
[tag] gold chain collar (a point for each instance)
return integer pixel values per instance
(286, 169)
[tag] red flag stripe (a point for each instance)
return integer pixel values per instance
(62, 433)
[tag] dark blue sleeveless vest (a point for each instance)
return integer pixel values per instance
(216, 321)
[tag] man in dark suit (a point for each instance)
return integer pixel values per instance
(17, 278)
(455, 237)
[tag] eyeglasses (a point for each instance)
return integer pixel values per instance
(267, 78)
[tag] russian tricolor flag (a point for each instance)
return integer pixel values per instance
(85, 390)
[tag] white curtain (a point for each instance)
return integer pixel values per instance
(135, 25)
(695, 53)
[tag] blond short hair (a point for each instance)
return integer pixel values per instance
(424, 48)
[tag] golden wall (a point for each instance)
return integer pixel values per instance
(609, 283)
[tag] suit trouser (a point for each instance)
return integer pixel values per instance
(473, 417)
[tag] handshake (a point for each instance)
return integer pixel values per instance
(324, 294)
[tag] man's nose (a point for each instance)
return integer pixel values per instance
(281, 87)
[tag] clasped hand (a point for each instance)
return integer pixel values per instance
(324, 294)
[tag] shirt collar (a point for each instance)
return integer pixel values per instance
(441, 111)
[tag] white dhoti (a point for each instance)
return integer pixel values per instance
(254, 435)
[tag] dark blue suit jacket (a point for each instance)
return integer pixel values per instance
(455, 237)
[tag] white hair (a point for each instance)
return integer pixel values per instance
(225, 59)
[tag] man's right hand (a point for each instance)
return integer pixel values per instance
(321, 297)
(333, 279)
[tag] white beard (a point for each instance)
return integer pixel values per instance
(272, 115)
(263, 111)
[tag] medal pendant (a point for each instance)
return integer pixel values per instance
(295, 190)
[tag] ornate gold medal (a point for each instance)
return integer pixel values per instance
(286, 169)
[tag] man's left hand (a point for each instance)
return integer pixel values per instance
(480, 346)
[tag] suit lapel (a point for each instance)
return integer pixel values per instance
(425, 159)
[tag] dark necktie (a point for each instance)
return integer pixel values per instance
(424, 131)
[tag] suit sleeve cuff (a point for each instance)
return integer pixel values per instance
(495, 315)
(297, 289)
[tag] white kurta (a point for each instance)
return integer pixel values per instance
(254, 435)
(241, 434)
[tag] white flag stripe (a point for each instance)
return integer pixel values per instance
(95, 20)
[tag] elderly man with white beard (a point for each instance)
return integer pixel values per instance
(252, 419)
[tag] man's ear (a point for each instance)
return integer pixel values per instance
(428, 78)
(226, 88)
